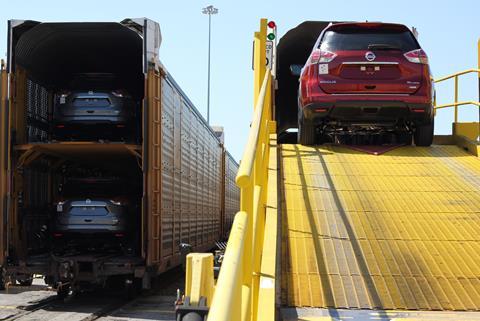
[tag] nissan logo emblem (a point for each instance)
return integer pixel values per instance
(370, 56)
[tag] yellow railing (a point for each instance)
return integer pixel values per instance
(456, 76)
(237, 289)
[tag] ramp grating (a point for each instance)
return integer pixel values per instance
(394, 231)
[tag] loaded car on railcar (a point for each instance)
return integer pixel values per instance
(176, 160)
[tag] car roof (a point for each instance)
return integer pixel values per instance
(368, 24)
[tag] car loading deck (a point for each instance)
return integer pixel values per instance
(394, 231)
(334, 232)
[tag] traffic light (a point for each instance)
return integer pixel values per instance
(273, 26)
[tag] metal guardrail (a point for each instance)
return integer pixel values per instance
(456, 76)
(457, 103)
(237, 284)
(237, 291)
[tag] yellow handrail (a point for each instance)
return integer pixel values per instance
(236, 293)
(237, 290)
(244, 174)
(455, 76)
(461, 103)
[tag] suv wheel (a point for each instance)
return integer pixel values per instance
(424, 135)
(306, 132)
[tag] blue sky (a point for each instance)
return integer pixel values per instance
(448, 33)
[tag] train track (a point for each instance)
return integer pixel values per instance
(157, 303)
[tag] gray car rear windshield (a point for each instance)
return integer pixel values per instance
(354, 38)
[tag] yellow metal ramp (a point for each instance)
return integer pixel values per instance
(395, 231)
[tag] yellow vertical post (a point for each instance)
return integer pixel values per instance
(259, 58)
(259, 67)
(456, 99)
(261, 179)
(199, 277)
(478, 74)
(246, 202)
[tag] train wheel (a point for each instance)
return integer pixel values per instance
(63, 292)
(133, 287)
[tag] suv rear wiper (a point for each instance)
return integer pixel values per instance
(381, 46)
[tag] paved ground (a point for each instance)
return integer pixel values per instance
(15, 299)
(156, 307)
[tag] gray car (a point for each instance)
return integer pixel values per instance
(92, 212)
(91, 216)
(107, 114)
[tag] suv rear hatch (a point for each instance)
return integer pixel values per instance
(86, 104)
(369, 59)
(87, 212)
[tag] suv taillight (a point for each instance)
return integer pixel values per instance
(119, 201)
(118, 93)
(321, 56)
(417, 56)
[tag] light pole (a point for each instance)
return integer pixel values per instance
(210, 10)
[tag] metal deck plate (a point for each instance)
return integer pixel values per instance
(395, 231)
(313, 314)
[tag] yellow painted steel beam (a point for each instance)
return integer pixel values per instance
(199, 277)
(469, 130)
(456, 99)
(268, 270)
(468, 145)
(258, 226)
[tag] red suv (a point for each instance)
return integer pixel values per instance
(366, 78)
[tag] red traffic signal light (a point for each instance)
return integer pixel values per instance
(271, 24)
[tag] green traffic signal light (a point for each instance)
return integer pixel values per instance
(271, 36)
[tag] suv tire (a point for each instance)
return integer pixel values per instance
(423, 135)
(306, 132)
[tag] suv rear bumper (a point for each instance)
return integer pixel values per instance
(92, 120)
(368, 111)
(92, 229)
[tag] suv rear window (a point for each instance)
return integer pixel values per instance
(355, 38)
